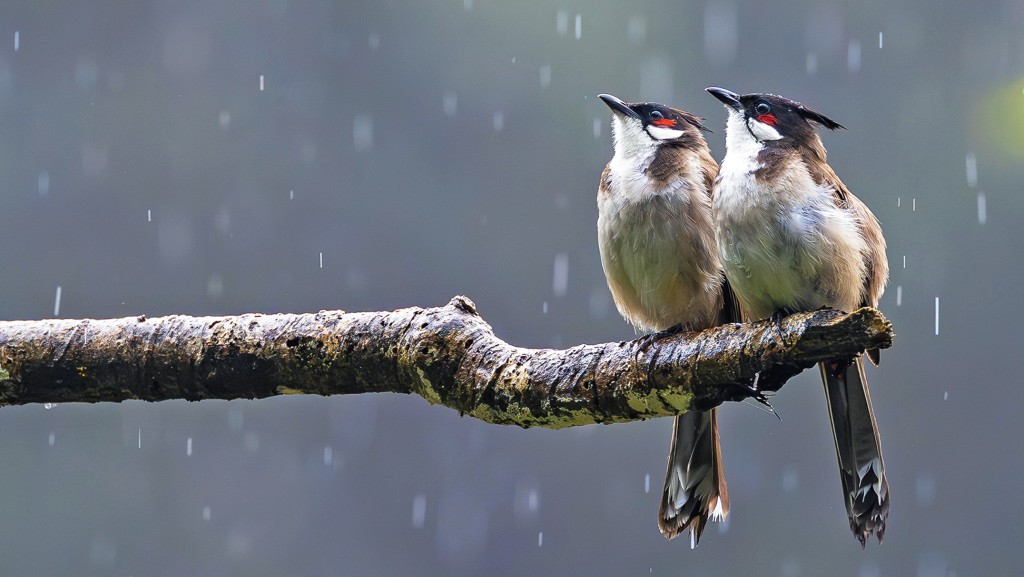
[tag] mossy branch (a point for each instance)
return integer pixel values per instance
(448, 355)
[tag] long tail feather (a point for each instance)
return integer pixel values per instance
(859, 448)
(695, 488)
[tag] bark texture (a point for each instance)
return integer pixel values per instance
(448, 355)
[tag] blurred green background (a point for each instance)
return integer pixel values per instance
(427, 149)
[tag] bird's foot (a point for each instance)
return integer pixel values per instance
(649, 339)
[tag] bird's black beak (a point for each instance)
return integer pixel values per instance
(618, 106)
(728, 98)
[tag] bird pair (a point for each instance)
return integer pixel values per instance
(774, 229)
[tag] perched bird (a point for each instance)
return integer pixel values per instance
(792, 237)
(656, 235)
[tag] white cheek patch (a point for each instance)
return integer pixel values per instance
(762, 131)
(662, 133)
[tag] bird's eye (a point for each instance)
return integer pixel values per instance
(656, 115)
(762, 108)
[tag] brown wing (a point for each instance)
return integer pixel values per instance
(877, 270)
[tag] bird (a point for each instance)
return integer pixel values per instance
(792, 237)
(657, 244)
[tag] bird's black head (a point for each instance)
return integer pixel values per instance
(651, 122)
(767, 117)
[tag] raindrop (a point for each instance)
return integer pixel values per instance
(545, 76)
(560, 281)
(880, 43)
(721, 32)
(898, 202)
(321, 260)
(545, 307)
(149, 215)
(597, 127)
(533, 500)
(913, 205)
(51, 439)
(206, 513)
(362, 132)
(647, 483)
(812, 63)
(291, 195)
(904, 261)
(419, 510)
(899, 295)
(982, 210)
(328, 456)
(224, 119)
(562, 22)
(636, 30)
(140, 437)
(936, 316)
(43, 183)
(261, 83)
(17, 40)
(215, 286)
(790, 480)
(579, 26)
(450, 103)
(540, 539)
(56, 302)
(499, 121)
(188, 447)
(972, 170)
(853, 55)
(945, 395)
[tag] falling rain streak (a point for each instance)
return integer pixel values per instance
(188, 447)
(560, 278)
(982, 209)
(17, 40)
(545, 76)
(149, 215)
(419, 510)
(597, 127)
(647, 483)
(56, 302)
(971, 163)
(322, 260)
(880, 42)
(899, 295)
(579, 26)
(540, 539)
(261, 83)
(853, 56)
(51, 439)
(936, 316)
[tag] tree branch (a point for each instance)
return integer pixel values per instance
(447, 355)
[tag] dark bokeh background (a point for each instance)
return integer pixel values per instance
(427, 149)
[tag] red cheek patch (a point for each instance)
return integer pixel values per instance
(664, 122)
(768, 119)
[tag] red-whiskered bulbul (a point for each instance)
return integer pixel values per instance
(791, 237)
(655, 231)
